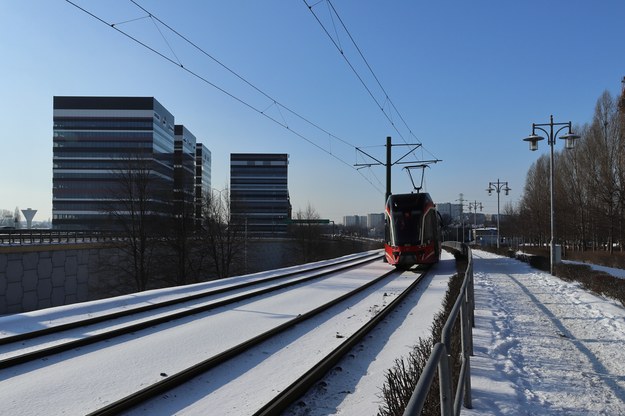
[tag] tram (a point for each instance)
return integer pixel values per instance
(412, 232)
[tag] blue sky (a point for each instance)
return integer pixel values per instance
(468, 78)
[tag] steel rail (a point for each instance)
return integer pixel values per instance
(189, 373)
(297, 389)
(133, 327)
(126, 312)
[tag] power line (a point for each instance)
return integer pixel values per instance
(240, 77)
(222, 90)
(362, 56)
(351, 66)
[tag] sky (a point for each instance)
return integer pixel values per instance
(464, 79)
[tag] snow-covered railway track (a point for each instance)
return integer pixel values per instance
(19, 348)
(271, 375)
(108, 378)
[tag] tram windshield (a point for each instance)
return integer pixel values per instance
(407, 226)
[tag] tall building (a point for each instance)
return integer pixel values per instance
(184, 171)
(359, 221)
(202, 176)
(102, 145)
(453, 210)
(259, 193)
(375, 220)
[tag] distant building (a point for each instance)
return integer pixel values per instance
(259, 193)
(486, 236)
(375, 220)
(453, 210)
(97, 139)
(359, 221)
(202, 176)
(184, 170)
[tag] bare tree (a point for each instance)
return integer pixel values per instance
(139, 202)
(17, 217)
(603, 148)
(307, 233)
(187, 259)
(534, 210)
(6, 218)
(574, 195)
(589, 184)
(223, 236)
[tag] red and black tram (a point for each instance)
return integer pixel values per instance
(412, 234)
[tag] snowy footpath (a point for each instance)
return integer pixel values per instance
(543, 346)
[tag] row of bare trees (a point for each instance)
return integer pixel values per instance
(589, 187)
(163, 242)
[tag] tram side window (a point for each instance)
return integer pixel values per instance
(430, 224)
(387, 229)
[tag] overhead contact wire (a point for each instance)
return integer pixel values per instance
(222, 90)
(386, 95)
(240, 77)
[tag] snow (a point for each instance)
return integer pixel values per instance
(543, 346)
(620, 273)
(58, 315)
(352, 387)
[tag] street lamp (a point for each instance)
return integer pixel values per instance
(569, 140)
(473, 206)
(498, 187)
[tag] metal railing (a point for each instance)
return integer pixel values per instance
(51, 236)
(440, 358)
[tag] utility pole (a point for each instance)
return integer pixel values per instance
(388, 168)
(473, 206)
(388, 163)
(461, 200)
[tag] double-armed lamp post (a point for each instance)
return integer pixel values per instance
(498, 187)
(569, 140)
(474, 206)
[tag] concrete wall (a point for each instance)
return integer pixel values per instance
(34, 278)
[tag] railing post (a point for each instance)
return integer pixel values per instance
(444, 377)
(466, 334)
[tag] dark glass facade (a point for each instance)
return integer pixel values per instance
(259, 193)
(202, 177)
(98, 140)
(184, 171)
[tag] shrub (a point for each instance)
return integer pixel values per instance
(402, 378)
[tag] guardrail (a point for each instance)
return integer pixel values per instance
(439, 359)
(49, 236)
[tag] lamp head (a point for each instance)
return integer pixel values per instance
(569, 140)
(533, 139)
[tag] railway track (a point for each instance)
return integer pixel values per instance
(168, 381)
(28, 346)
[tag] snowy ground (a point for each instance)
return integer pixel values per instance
(620, 273)
(543, 346)
(81, 380)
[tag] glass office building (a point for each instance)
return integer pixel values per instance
(259, 194)
(202, 177)
(98, 144)
(184, 171)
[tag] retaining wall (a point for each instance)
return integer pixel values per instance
(35, 278)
